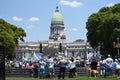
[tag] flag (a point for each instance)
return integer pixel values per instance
(36, 57)
(23, 58)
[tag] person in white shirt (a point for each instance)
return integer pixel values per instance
(17, 65)
(51, 67)
(109, 60)
(109, 63)
(72, 68)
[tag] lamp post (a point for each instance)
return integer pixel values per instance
(60, 47)
(117, 45)
(40, 47)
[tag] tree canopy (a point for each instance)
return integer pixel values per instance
(10, 35)
(104, 27)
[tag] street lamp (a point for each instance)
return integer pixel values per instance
(40, 47)
(117, 44)
(60, 47)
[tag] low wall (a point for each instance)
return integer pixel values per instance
(18, 72)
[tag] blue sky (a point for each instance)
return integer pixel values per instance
(34, 16)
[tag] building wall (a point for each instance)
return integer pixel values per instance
(73, 49)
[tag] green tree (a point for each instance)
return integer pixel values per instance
(104, 26)
(10, 35)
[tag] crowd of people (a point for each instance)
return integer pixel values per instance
(46, 67)
(106, 66)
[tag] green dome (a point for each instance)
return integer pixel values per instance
(57, 17)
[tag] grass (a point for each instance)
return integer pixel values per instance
(79, 78)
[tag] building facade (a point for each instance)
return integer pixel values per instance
(51, 47)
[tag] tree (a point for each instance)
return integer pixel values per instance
(104, 26)
(10, 36)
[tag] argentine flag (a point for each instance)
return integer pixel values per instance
(36, 57)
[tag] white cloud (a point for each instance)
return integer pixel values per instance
(74, 29)
(33, 19)
(30, 26)
(15, 18)
(110, 4)
(71, 3)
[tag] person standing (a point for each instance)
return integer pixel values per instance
(109, 63)
(62, 64)
(72, 68)
(102, 67)
(30, 67)
(36, 65)
(109, 60)
(42, 65)
(51, 67)
(93, 65)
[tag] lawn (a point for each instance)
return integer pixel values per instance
(79, 78)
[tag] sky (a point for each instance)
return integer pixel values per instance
(34, 16)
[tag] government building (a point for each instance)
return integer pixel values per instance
(57, 41)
